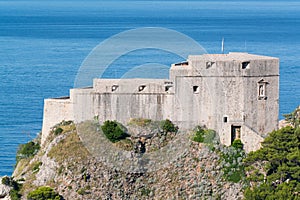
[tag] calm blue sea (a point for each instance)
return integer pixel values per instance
(43, 43)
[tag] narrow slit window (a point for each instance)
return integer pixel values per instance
(225, 119)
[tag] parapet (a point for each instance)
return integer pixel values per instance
(226, 65)
(131, 86)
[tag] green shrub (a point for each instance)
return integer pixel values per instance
(81, 191)
(58, 131)
(27, 150)
(168, 126)
(198, 134)
(14, 195)
(145, 191)
(16, 187)
(232, 165)
(44, 193)
(114, 131)
(6, 180)
(237, 143)
(202, 135)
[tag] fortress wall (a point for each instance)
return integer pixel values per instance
(262, 111)
(228, 108)
(250, 139)
(262, 114)
(82, 101)
(193, 102)
(123, 107)
(220, 94)
(129, 85)
(218, 91)
(55, 111)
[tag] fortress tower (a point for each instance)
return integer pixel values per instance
(235, 94)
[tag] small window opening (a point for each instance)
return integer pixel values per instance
(142, 87)
(245, 65)
(168, 88)
(225, 119)
(262, 90)
(114, 88)
(209, 64)
(196, 89)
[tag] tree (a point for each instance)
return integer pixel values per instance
(280, 155)
(27, 150)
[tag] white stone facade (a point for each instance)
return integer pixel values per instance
(235, 94)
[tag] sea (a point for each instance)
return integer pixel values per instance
(43, 43)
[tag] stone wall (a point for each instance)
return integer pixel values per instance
(219, 91)
(55, 111)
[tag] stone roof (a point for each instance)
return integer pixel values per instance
(232, 56)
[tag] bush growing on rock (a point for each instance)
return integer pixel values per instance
(27, 150)
(231, 161)
(43, 193)
(237, 143)
(15, 187)
(168, 126)
(202, 135)
(58, 131)
(113, 131)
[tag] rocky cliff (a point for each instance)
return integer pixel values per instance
(76, 165)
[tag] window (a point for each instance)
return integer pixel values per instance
(245, 65)
(209, 64)
(114, 88)
(168, 88)
(141, 87)
(196, 89)
(225, 119)
(262, 95)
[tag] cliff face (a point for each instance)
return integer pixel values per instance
(68, 165)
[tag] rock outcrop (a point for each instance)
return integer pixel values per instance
(4, 191)
(65, 164)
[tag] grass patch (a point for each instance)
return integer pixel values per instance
(70, 147)
(125, 144)
(61, 128)
(36, 167)
(139, 122)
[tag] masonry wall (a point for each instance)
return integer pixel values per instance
(126, 102)
(216, 91)
(55, 111)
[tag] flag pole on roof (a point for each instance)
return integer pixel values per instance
(222, 49)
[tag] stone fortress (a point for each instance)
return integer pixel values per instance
(235, 94)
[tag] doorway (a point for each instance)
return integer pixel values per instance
(235, 133)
